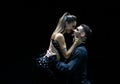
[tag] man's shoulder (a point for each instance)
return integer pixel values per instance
(80, 51)
(81, 48)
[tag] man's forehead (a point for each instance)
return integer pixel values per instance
(80, 27)
(75, 22)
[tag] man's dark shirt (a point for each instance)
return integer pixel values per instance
(74, 71)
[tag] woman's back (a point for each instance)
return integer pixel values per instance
(52, 47)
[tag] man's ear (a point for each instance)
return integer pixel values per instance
(82, 34)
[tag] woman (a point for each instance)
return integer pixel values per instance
(66, 24)
(57, 47)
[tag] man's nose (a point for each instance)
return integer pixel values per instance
(74, 30)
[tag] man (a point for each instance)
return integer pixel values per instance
(74, 70)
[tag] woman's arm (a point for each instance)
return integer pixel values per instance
(61, 41)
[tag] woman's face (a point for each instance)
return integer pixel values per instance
(70, 27)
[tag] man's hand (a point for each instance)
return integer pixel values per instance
(50, 53)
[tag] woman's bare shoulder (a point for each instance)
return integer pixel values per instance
(56, 36)
(59, 36)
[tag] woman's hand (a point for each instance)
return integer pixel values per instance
(76, 33)
(76, 38)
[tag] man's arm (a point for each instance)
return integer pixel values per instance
(74, 62)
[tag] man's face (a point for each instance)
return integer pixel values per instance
(78, 31)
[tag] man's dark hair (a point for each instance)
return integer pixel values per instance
(87, 30)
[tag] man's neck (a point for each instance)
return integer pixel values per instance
(82, 43)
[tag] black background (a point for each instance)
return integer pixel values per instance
(40, 19)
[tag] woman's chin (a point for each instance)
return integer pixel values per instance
(68, 32)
